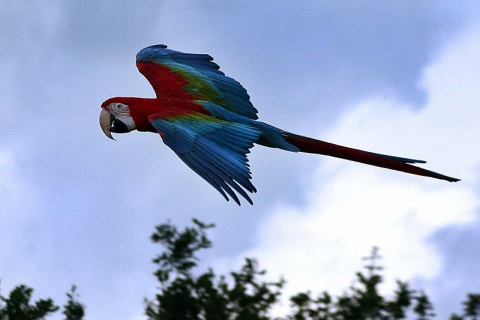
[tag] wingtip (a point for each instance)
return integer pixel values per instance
(239, 203)
(444, 177)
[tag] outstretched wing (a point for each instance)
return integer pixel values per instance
(215, 149)
(192, 76)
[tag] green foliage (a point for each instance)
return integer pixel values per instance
(362, 301)
(471, 308)
(17, 306)
(423, 307)
(186, 294)
(209, 296)
(180, 256)
(205, 296)
(73, 310)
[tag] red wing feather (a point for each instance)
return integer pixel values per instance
(165, 82)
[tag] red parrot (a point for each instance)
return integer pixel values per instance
(207, 119)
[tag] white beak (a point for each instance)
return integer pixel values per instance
(105, 123)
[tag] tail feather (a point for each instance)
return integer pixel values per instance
(310, 145)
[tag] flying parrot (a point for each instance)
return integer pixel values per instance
(207, 119)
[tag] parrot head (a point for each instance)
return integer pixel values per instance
(115, 117)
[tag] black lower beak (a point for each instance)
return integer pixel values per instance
(118, 126)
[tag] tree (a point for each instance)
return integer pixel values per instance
(362, 301)
(208, 296)
(17, 306)
(73, 310)
(186, 294)
(471, 308)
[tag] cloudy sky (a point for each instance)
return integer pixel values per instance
(394, 77)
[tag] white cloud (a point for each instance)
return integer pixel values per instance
(16, 197)
(17, 206)
(352, 207)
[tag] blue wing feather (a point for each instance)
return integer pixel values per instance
(215, 149)
(270, 136)
(159, 53)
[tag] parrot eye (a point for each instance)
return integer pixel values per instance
(119, 106)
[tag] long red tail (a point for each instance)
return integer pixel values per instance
(310, 145)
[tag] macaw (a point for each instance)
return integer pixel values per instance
(207, 119)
